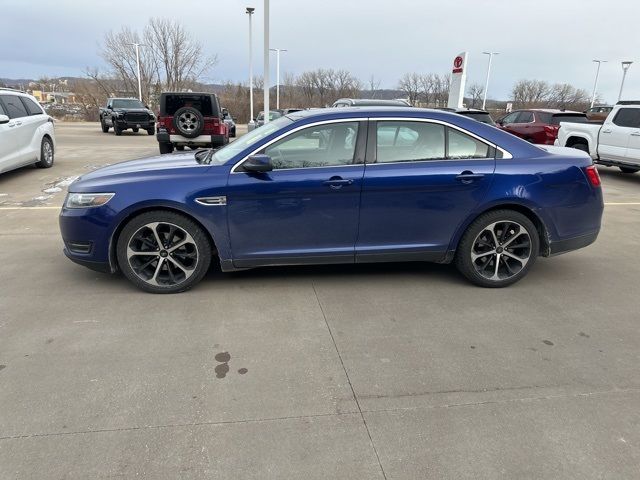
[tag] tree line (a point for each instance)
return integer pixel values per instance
(173, 60)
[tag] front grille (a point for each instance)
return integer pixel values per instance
(136, 117)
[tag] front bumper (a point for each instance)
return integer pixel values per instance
(90, 230)
(144, 124)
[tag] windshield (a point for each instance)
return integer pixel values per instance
(226, 153)
(127, 103)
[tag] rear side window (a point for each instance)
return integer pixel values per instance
(479, 117)
(627, 117)
(205, 104)
(32, 107)
(410, 141)
(460, 145)
(2, 112)
(15, 108)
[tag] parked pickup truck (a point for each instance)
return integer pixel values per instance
(615, 143)
(124, 113)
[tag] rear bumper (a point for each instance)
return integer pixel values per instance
(574, 243)
(201, 140)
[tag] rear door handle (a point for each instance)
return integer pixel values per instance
(469, 177)
(18, 123)
(337, 182)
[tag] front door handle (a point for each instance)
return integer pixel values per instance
(635, 134)
(469, 177)
(608, 130)
(337, 182)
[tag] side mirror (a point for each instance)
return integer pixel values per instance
(258, 164)
(109, 107)
(147, 107)
(4, 119)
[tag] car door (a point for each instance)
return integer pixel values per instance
(18, 132)
(615, 134)
(633, 147)
(506, 123)
(33, 122)
(7, 146)
(306, 209)
(422, 180)
(523, 125)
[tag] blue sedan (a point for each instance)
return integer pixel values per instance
(337, 186)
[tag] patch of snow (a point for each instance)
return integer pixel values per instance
(52, 190)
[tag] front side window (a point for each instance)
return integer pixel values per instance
(15, 108)
(409, 141)
(628, 117)
(511, 118)
(525, 117)
(319, 146)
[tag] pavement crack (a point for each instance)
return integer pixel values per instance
(344, 368)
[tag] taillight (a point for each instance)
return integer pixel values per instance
(552, 130)
(593, 175)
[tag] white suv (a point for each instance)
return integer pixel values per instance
(26, 132)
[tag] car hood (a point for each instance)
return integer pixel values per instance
(132, 110)
(161, 166)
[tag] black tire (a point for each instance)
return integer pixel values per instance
(165, 148)
(629, 169)
(135, 130)
(162, 270)
(188, 121)
(116, 129)
(46, 153)
(476, 241)
(180, 148)
(104, 126)
(581, 146)
(232, 133)
(151, 131)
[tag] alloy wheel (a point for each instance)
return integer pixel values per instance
(47, 152)
(188, 122)
(501, 250)
(162, 254)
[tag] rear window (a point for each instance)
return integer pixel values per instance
(482, 117)
(202, 103)
(32, 107)
(563, 117)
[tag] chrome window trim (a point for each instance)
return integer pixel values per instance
(505, 154)
(301, 127)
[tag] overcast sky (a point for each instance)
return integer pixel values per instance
(553, 40)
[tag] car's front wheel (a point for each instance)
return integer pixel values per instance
(163, 252)
(498, 248)
(46, 153)
(104, 126)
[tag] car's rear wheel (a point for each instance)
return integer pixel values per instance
(180, 148)
(104, 126)
(165, 148)
(163, 252)
(46, 153)
(629, 169)
(498, 248)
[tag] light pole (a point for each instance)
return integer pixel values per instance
(138, 45)
(595, 84)
(278, 50)
(250, 11)
(266, 61)
(625, 67)
(486, 83)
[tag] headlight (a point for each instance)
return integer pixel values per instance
(87, 200)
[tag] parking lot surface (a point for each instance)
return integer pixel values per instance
(400, 371)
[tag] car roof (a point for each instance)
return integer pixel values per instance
(546, 110)
(371, 102)
(187, 93)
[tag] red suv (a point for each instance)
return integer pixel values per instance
(538, 125)
(190, 120)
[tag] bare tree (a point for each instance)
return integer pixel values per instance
(475, 92)
(410, 85)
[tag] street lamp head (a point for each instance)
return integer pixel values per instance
(250, 10)
(626, 65)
